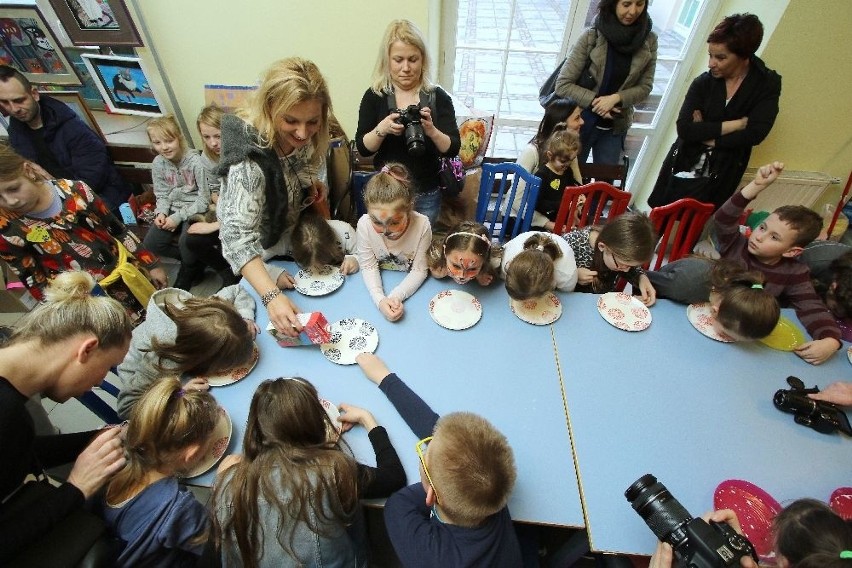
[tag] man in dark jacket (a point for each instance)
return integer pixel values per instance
(47, 132)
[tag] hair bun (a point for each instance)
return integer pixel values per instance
(74, 284)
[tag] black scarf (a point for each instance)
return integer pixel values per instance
(624, 39)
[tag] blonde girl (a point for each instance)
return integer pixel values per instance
(535, 263)
(619, 248)
(560, 151)
(392, 236)
(464, 254)
(159, 521)
(318, 242)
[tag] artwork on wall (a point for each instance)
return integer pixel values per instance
(28, 45)
(89, 91)
(78, 105)
(123, 84)
(97, 22)
(228, 97)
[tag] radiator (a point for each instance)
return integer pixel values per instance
(793, 188)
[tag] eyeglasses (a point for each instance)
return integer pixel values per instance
(420, 447)
(619, 265)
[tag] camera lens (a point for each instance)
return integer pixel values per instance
(415, 138)
(663, 514)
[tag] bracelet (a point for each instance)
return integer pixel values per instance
(379, 133)
(269, 296)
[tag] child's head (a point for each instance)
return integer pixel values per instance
(531, 274)
(209, 125)
(744, 310)
(20, 187)
(808, 534)
(314, 243)
(211, 336)
(561, 148)
(838, 295)
(166, 138)
(784, 233)
(626, 241)
(389, 200)
(464, 252)
(471, 466)
(170, 429)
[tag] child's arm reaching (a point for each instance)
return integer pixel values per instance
(368, 260)
(763, 178)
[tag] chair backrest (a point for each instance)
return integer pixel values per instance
(132, 162)
(615, 174)
(599, 198)
(679, 225)
(498, 190)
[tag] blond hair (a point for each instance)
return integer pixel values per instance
(562, 142)
(166, 127)
(211, 115)
(11, 163)
(392, 183)
(406, 32)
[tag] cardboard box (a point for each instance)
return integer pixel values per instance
(314, 331)
(14, 298)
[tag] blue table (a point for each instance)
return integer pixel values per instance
(502, 368)
(690, 410)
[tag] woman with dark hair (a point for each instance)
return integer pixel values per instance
(727, 110)
(609, 70)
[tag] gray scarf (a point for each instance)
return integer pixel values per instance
(624, 39)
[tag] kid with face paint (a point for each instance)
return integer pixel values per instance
(464, 254)
(391, 235)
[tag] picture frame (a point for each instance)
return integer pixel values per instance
(89, 91)
(123, 84)
(80, 108)
(97, 22)
(29, 45)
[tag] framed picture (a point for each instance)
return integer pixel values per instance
(89, 91)
(123, 84)
(28, 45)
(97, 22)
(78, 105)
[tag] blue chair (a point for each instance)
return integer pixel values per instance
(98, 406)
(359, 180)
(498, 190)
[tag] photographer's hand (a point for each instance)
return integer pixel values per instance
(835, 393)
(387, 126)
(730, 517)
(441, 140)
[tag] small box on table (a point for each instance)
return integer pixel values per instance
(314, 331)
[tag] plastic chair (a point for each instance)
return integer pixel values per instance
(575, 213)
(497, 192)
(680, 224)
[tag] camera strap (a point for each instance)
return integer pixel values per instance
(426, 100)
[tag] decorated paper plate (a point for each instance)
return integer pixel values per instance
(235, 374)
(333, 413)
(785, 337)
(755, 509)
(538, 311)
(221, 439)
(318, 282)
(624, 311)
(349, 338)
(841, 502)
(701, 317)
(455, 309)
(849, 354)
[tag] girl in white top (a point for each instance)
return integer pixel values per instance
(535, 263)
(392, 236)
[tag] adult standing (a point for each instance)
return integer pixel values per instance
(609, 70)
(728, 109)
(401, 79)
(270, 159)
(47, 132)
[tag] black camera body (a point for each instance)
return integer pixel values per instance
(696, 543)
(415, 138)
(819, 415)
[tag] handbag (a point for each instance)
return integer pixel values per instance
(700, 187)
(451, 176)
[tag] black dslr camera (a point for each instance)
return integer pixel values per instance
(696, 543)
(415, 138)
(822, 416)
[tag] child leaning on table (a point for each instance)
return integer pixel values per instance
(317, 242)
(457, 514)
(392, 236)
(464, 254)
(535, 263)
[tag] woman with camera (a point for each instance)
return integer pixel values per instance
(401, 96)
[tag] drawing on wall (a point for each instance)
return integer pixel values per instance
(28, 45)
(228, 97)
(123, 84)
(97, 22)
(93, 14)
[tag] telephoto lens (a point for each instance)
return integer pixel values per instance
(663, 514)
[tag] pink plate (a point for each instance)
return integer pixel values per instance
(841, 502)
(755, 508)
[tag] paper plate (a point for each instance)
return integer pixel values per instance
(238, 373)
(455, 309)
(755, 509)
(318, 282)
(849, 354)
(701, 317)
(222, 438)
(333, 413)
(349, 338)
(624, 311)
(841, 502)
(538, 311)
(785, 337)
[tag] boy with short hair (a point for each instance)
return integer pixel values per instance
(456, 516)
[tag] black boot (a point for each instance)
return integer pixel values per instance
(188, 276)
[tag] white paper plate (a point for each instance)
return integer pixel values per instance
(538, 311)
(318, 282)
(455, 309)
(624, 311)
(701, 317)
(333, 413)
(222, 436)
(349, 338)
(235, 374)
(849, 354)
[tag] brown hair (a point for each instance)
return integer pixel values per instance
(473, 467)
(166, 127)
(314, 243)
(630, 237)
(806, 222)
(211, 115)
(745, 308)
(531, 274)
(11, 163)
(406, 32)
(740, 33)
(810, 535)
(838, 294)
(392, 183)
(7, 73)
(461, 238)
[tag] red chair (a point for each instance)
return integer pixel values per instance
(575, 212)
(689, 217)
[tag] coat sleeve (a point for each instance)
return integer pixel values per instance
(566, 83)
(388, 475)
(242, 300)
(368, 119)
(446, 121)
(761, 117)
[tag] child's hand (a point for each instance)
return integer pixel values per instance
(197, 384)
(391, 308)
(203, 228)
(484, 279)
(252, 326)
(817, 351)
(159, 220)
(159, 278)
(836, 393)
(763, 178)
(351, 415)
(98, 462)
(169, 224)
(373, 367)
(349, 266)
(648, 294)
(285, 281)
(586, 276)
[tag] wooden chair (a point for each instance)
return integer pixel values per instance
(615, 174)
(575, 212)
(498, 191)
(680, 224)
